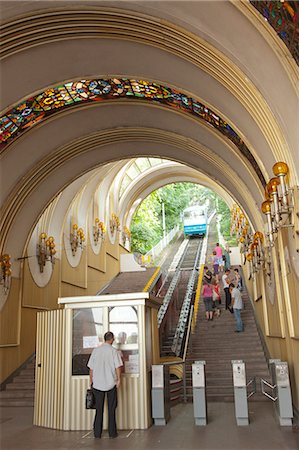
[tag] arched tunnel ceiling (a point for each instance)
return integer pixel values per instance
(185, 47)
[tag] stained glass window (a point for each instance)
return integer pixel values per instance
(283, 16)
(31, 111)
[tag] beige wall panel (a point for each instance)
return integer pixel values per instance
(12, 357)
(258, 307)
(36, 297)
(96, 280)
(293, 360)
(155, 336)
(68, 290)
(293, 288)
(97, 261)
(294, 296)
(273, 319)
(49, 385)
(76, 276)
(129, 414)
(112, 269)
(113, 249)
(10, 316)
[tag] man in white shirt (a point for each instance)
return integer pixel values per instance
(104, 364)
(237, 304)
(226, 281)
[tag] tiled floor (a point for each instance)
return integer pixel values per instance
(263, 433)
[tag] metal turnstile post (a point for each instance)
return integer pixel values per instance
(240, 392)
(160, 394)
(281, 391)
(199, 393)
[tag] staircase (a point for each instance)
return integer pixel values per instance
(20, 391)
(216, 343)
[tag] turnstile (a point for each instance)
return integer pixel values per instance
(199, 393)
(240, 392)
(160, 394)
(281, 391)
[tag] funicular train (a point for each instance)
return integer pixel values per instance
(195, 220)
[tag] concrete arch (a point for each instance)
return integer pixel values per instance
(131, 141)
(234, 81)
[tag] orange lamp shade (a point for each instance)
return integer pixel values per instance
(249, 257)
(267, 196)
(280, 168)
(259, 235)
(272, 185)
(266, 207)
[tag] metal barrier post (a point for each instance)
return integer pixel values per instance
(240, 392)
(199, 393)
(160, 394)
(284, 397)
(281, 391)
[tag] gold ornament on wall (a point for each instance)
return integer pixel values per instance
(45, 251)
(77, 238)
(281, 204)
(114, 223)
(126, 235)
(5, 272)
(99, 231)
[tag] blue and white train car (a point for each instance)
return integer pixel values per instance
(195, 220)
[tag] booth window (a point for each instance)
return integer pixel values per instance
(123, 322)
(87, 334)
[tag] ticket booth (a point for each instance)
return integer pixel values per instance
(65, 340)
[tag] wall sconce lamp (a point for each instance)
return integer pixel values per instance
(266, 209)
(240, 227)
(99, 231)
(279, 201)
(5, 272)
(126, 235)
(249, 258)
(45, 251)
(77, 237)
(114, 223)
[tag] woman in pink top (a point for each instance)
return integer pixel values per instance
(207, 293)
(218, 251)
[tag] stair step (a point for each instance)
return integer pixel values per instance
(16, 402)
(17, 394)
(17, 386)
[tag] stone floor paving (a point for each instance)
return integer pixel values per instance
(221, 432)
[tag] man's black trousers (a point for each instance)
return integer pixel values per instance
(112, 404)
(228, 298)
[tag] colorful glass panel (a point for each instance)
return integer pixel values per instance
(283, 16)
(35, 109)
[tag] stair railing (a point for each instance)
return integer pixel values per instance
(183, 361)
(180, 331)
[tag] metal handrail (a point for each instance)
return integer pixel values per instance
(186, 307)
(183, 361)
(157, 249)
(264, 382)
(163, 308)
(253, 382)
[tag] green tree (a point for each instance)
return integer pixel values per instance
(146, 227)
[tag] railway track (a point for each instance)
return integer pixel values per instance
(186, 261)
